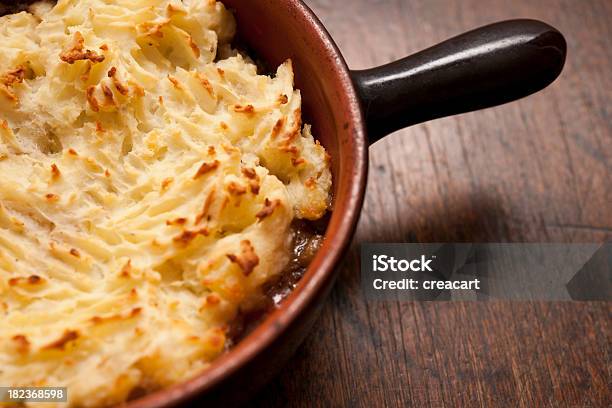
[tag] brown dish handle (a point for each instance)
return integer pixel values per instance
(485, 67)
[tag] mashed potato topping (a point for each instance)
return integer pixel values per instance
(148, 179)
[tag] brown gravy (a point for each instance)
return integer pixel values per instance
(307, 239)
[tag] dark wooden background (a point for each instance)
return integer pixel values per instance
(537, 170)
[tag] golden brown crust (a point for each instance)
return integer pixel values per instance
(126, 269)
(93, 102)
(206, 84)
(174, 81)
(212, 300)
(205, 168)
(277, 127)
(30, 280)
(206, 207)
(77, 52)
(55, 172)
(310, 182)
(248, 109)
(9, 79)
(255, 187)
(109, 98)
(296, 162)
(60, 344)
(249, 172)
(119, 86)
(177, 221)
(236, 189)
(52, 197)
(268, 208)
(22, 343)
(166, 183)
(247, 260)
(194, 47)
(185, 237)
(295, 129)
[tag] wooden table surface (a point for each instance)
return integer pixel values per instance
(537, 170)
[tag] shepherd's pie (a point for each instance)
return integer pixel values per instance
(148, 180)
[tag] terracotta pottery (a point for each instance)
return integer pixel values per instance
(485, 67)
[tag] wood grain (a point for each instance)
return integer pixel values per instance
(533, 171)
